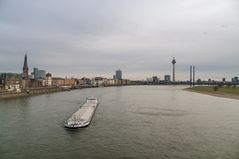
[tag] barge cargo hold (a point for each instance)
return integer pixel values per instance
(83, 116)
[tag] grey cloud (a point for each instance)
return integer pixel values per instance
(95, 37)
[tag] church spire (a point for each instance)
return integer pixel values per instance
(25, 68)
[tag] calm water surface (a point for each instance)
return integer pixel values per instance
(131, 122)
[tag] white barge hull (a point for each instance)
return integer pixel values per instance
(83, 116)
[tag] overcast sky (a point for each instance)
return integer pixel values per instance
(96, 37)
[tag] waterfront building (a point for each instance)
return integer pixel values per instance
(125, 82)
(56, 81)
(118, 81)
(149, 80)
(118, 74)
(10, 81)
(235, 80)
(155, 79)
(167, 78)
(1, 84)
(48, 79)
(2, 81)
(110, 82)
(36, 83)
(31, 76)
(71, 82)
(84, 81)
(39, 74)
(224, 80)
(209, 81)
(99, 81)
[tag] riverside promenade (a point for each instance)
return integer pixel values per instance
(4, 94)
(28, 92)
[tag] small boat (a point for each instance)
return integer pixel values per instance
(83, 116)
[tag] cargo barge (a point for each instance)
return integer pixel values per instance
(83, 116)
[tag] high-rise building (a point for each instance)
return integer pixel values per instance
(39, 74)
(235, 80)
(167, 78)
(173, 62)
(118, 74)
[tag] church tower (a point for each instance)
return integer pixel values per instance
(25, 69)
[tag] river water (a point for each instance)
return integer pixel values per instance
(151, 122)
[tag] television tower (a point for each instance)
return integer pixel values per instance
(173, 62)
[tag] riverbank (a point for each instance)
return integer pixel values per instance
(29, 92)
(4, 94)
(43, 90)
(225, 92)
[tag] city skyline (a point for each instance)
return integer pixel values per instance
(161, 76)
(79, 38)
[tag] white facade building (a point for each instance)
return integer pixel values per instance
(48, 79)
